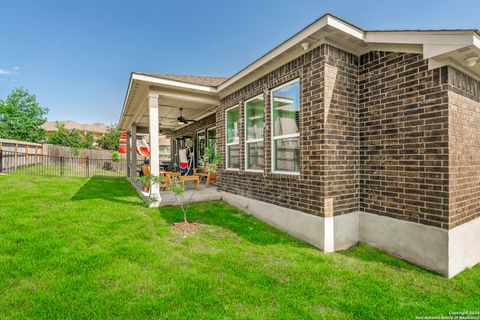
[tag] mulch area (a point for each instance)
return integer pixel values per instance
(185, 229)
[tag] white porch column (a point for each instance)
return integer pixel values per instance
(128, 154)
(154, 150)
(133, 166)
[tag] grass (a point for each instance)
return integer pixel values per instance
(73, 248)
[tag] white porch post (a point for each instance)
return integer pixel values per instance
(133, 166)
(128, 152)
(154, 150)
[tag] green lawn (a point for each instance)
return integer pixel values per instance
(73, 248)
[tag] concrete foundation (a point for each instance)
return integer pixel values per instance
(447, 252)
(419, 244)
(463, 247)
(306, 227)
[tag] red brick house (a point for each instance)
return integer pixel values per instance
(340, 135)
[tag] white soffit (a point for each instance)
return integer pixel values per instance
(140, 85)
(434, 43)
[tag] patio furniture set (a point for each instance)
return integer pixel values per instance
(198, 175)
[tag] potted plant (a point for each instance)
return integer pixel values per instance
(209, 161)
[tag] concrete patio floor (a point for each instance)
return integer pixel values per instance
(168, 198)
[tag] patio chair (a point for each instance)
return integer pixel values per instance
(166, 181)
(210, 177)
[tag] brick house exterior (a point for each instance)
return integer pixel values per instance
(389, 147)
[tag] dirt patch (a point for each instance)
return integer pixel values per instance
(184, 229)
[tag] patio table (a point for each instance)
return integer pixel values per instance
(195, 180)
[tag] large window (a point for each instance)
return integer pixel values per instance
(233, 138)
(254, 151)
(285, 128)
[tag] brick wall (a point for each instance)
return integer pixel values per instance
(379, 133)
(341, 145)
(403, 138)
(328, 145)
(464, 148)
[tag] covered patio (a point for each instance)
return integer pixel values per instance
(159, 105)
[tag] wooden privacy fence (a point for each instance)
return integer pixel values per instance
(61, 151)
(21, 152)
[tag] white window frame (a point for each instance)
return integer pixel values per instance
(208, 129)
(226, 137)
(253, 140)
(196, 142)
(286, 136)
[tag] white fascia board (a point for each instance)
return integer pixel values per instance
(420, 37)
(347, 28)
(173, 83)
(476, 40)
(125, 101)
(321, 23)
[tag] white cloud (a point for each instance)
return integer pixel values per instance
(5, 72)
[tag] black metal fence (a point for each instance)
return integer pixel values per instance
(61, 166)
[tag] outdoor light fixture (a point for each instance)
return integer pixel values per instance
(471, 61)
(305, 46)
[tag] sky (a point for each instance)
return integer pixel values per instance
(76, 56)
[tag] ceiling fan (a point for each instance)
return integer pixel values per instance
(183, 120)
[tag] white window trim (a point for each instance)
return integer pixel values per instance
(226, 138)
(273, 152)
(286, 136)
(208, 129)
(196, 142)
(245, 131)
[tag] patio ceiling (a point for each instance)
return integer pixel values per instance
(196, 100)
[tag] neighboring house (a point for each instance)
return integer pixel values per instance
(96, 129)
(340, 135)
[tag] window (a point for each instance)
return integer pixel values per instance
(285, 128)
(233, 138)
(254, 151)
(212, 141)
(200, 145)
(164, 150)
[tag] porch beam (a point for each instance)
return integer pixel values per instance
(140, 111)
(154, 147)
(186, 96)
(146, 130)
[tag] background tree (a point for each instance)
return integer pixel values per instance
(111, 139)
(87, 141)
(21, 117)
(70, 138)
